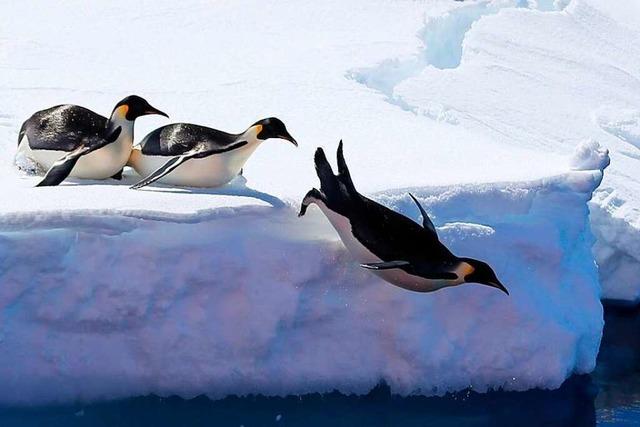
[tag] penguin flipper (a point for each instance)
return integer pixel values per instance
(384, 265)
(163, 170)
(174, 162)
(61, 169)
(426, 221)
(433, 275)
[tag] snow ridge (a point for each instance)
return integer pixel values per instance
(257, 302)
(442, 40)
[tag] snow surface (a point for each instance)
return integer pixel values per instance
(546, 79)
(502, 89)
(477, 107)
(256, 300)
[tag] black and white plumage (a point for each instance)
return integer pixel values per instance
(61, 169)
(197, 156)
(391, 245)
(87, 140)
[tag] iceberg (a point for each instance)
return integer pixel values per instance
(486, 111)
(248, 298)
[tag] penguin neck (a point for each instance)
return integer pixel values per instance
(118, 119)
(235, 159)
(251, 136)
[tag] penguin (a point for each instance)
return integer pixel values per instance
(71, 140)
(214, 157)
(399, 250)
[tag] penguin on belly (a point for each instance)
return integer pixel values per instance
(185, 154)
(70, 140)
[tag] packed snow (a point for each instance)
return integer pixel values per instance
(545, 75)
(256, 300)
(499, 115)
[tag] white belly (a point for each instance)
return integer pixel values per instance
(363, 255)
(100, 164)
(211, 171)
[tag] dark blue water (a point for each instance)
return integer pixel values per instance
(610, 396)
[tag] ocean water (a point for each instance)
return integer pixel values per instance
(610, 396)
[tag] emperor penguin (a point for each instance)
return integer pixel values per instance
(389, 244)
(70, 140)
(190, 155)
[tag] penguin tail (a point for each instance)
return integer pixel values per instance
(313, 196)
(23, 130)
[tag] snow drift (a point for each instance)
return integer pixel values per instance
(253, 299)
(544, 75)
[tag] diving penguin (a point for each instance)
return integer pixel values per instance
(391, 245)
(196, 156)
(72, 140)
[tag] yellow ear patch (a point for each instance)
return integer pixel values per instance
(464, 269)
(122, 111)
(258, 129)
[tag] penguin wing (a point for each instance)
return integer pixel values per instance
(433, 274)
(426, 221)
(384, 265)
(63, 167)
(182, 138)
(174, 162)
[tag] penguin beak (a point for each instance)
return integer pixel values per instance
(289, 138)
(153, 110)
(496, 284)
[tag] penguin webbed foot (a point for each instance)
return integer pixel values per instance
(118, 176)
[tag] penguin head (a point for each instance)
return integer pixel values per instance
(273, 128)
(483, 274)
(132, 107)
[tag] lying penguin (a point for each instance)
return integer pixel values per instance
(393, 246)
(70, 140)
(214, 157)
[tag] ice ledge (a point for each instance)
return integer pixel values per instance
(255, 300)
(586, 172)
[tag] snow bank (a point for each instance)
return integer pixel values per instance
(540, 74)
(255, 300)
